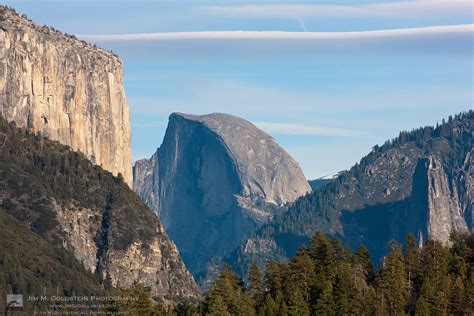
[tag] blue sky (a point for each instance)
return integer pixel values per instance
(325, 93)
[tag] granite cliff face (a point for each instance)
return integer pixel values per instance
(66, 89)
(154, 261)
(419, 183)
(77, 206)
(444, 209)
(146, 180)
(465, 184)
(214, 179)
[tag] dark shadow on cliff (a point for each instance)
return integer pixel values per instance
(290, 243)
(375, 225)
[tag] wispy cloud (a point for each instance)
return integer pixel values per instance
(280, 35)
(310, 108)
(305, 130)
(391, 9)
(448, 40)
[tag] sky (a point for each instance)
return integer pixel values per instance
(327, 79)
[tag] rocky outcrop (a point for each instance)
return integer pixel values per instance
(156, 263)
(444, 211)
(66, 89)
(145, 180)
(465, 184)
(219, 177)
(79, 227)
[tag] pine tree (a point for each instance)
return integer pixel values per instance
(469, 293)
(256, 290)
(391, 282)
(321, 251)
(301, 274)
(141, 305)
(186, 308)
(273, 281)
(343, 288)
(434, 289)
(412, 264)
(297, 305)
(216, 306)
(361, 257)
(469, 289)
(422, 308)
(362, 294)
(270, 307)
(341, 252)
(283, 309)
(457, 300)
(228, 296)
(460, 254)
(325, 304)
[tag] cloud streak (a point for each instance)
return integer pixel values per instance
(436, 8)
(310, 108)
(281, 35)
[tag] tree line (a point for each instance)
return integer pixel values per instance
(325, 278)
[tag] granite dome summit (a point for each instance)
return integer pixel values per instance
(265, 169)
(213, 180)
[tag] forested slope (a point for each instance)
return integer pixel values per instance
(75, 205)
(421, 182)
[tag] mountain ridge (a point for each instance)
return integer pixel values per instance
(381, 197)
